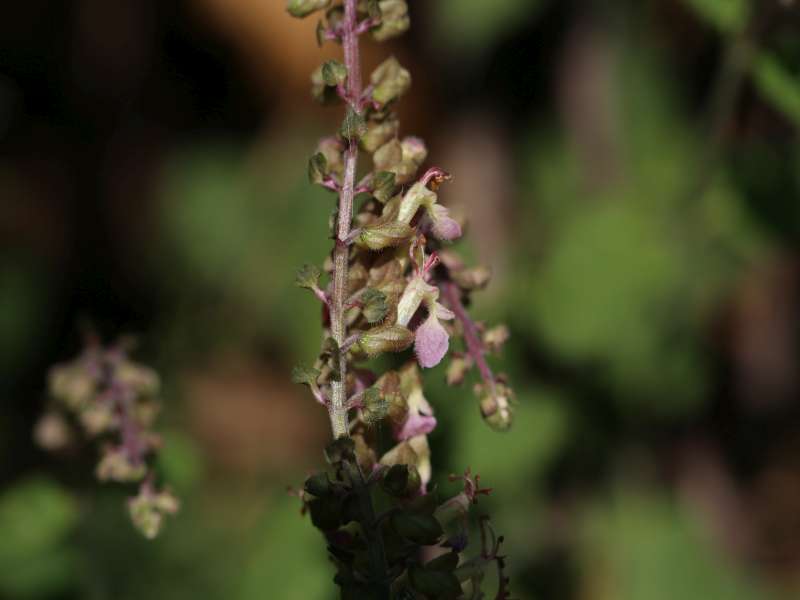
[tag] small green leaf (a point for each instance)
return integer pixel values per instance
(353, 126)
(305, 375)
(317, 168)
(334, 73)
(375, 307)
(418, 528)
(308, 277)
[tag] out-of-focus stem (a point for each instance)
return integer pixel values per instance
(471, 335)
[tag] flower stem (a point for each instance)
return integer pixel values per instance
(338, 405)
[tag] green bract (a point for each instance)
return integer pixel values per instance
(303, 8)
(390, 81)
(394, 20)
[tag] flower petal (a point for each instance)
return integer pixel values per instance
(416, 424)
(444, 226)
(431, 342)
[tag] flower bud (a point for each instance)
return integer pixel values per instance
(394, 20)
(388, 155)
(148, 508)
(495, 338)
(321, 91)
(387, 338)
(141, 380)
(97, 418)
(384, 235)
(307, 277)
(378, 133)
(457, 369)
(390, 81)
(414, 150)
(496, 408)
(116, 466)
(72, 384)
(52, 431)
(374, 304)
(303, 8)
(166, 502)
(334, 73)
(374, 406)
(317, 169)
(353, 126)
(331, 148)
(475, 278)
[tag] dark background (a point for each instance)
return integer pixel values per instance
(631, 172)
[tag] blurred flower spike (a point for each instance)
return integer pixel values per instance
(112, 398)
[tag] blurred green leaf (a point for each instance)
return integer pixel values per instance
(476, 24)
(235, 235)
(778, 86)
(728, 16)
(36, 516)
(642, 547)
(179, 461)
(290, 558)
(626, 277)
